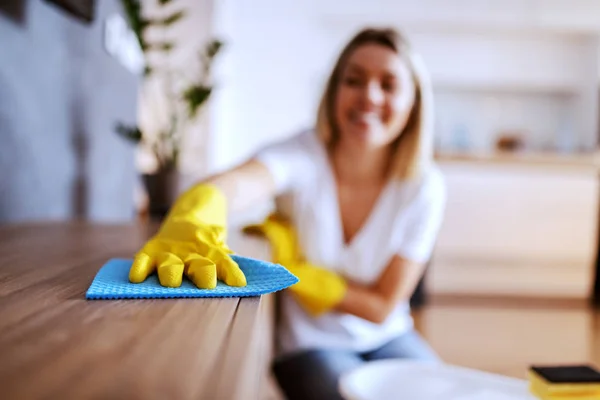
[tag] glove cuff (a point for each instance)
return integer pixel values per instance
(319, 290)
(202, 204)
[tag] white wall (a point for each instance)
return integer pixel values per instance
(280, 52)
(268, 75)
(427, 15)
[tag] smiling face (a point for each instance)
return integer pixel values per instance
(374, 97)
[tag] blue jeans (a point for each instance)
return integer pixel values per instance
(314, 374)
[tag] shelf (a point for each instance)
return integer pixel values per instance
(585, 160)
(508, 88)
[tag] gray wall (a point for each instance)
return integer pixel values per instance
(60, 96)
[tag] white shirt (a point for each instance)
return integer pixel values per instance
(404, 221)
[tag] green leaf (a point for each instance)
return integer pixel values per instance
(167, 46)
(213, 48)
(143, 44)
(167, 21)
(196, 96)
(163, 2)
(131, 133)
(133, 13)
(172, 18)
(162, 46)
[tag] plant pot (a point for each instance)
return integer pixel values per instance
(162, 188)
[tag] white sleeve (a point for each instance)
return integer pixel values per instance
(289, 161)
(416, 237)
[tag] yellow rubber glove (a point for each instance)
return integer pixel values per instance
(191, 242)
(318, 290)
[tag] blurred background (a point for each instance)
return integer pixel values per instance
(92, 127)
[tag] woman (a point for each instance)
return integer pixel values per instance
(365, 202)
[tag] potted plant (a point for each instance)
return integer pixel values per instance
(184, 97)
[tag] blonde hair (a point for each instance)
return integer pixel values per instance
(413, 148)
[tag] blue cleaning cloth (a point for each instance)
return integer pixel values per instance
(112, 282)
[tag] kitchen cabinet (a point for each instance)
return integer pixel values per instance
(518, 226)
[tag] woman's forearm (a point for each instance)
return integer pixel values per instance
(244, 186)
(375, 302)
(362, 301)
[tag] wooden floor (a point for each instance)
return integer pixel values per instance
(506, 337)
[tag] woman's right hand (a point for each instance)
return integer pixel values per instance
(191, 242)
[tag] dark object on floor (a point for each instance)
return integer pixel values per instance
(564, 381)
(596, 293)
(568, 374)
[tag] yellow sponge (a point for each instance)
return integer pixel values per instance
(574, 382)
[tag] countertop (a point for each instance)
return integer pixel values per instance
(56, 344)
